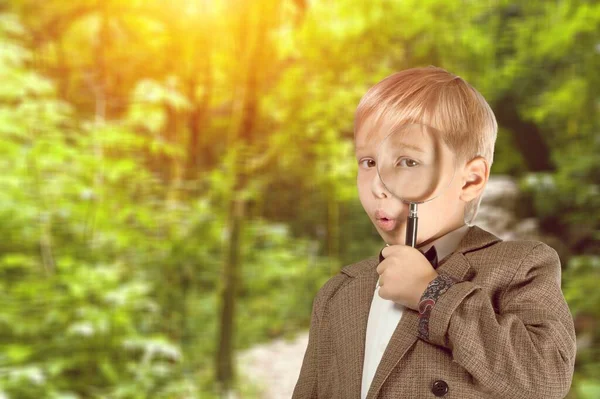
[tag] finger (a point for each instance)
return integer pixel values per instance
(387, 251)
(381, 267)
(383, 293)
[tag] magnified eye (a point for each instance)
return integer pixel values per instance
(368, 163)
(408, 163)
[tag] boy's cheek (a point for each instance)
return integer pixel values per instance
(363, 201)
(361, 184)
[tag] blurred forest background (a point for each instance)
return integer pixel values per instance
(178, 179)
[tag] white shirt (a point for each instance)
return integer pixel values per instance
(385, 314)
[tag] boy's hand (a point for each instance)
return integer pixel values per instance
(404, 274)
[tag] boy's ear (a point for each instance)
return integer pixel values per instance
(475, 175)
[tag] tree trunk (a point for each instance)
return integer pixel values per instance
(199, 112)
(225, 368)
(527, 135)
(333, 231)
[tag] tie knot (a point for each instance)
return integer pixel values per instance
(431, 256)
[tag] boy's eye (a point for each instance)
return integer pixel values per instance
(408, 163)
(368, 163)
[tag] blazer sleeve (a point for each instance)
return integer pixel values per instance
(306, 386)
(525, 348)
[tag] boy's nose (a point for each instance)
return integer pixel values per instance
(378, 188)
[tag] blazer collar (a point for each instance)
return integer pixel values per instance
(360, 296)
(475, 238)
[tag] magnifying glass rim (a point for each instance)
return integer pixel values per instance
(392, 192)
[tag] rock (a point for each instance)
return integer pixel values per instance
(527, 229)
(496, 220)
(501, 192)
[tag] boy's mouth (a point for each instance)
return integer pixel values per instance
(385, 221)
(386, 224)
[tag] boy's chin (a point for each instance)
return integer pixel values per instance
(394, 237)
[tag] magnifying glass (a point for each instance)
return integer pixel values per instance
(415, 165)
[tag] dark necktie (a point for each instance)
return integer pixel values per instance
(431, 256)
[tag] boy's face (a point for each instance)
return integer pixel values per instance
(388, 212)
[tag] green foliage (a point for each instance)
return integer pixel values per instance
(569, 197)
(584, 301)
(81, 330)
(114, 240)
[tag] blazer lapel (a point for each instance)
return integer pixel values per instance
(405, 335)
(402, 339)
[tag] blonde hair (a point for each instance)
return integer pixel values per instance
(436, 97)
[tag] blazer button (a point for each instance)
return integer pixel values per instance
(439, 388)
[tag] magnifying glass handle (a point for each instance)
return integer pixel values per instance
(381, 258)
(412, 222)
(411, 231)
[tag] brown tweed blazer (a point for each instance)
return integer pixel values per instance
(503, 331)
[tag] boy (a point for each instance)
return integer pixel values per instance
(463, 315)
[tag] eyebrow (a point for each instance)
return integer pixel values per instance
(404, 145)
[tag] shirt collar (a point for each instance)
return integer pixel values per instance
(447, 243)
